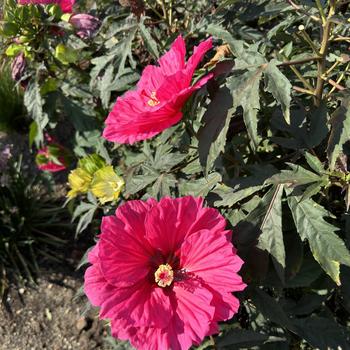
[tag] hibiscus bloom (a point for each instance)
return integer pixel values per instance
(159, 97)
(65, 5)
(164, 272)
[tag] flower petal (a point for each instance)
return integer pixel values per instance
(124, 257)
(211, 258)
(198, 54)
(174, 59)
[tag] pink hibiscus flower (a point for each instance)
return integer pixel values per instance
(160, 95)
(66, 5)
(164, 272)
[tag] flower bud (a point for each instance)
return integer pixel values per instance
(18, 67)
(53, 157)
(85, 24)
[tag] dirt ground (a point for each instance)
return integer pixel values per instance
(48, 318)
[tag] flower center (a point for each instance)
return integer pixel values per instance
(153, 101)
(164, 275)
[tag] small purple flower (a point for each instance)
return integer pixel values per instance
(18, 67)
(85, 24)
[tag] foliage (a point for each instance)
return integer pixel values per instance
(265, 142)
(11, 102)
(31, 226)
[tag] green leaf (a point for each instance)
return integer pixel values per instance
(220, 32)
(200, 187)
(279, 86)
(149, 41)
(163, 185)
(314, 163)
(212, 134)
(33, 133)
(34, 104)
(297, 176)
(139, 182)
(322, 333)
(340, 132)
(242, 187)
(327, 248)
(271, 309)
(245, 93)
(271, 237)
(242, 338)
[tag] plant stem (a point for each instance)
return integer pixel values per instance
(301, 10)
(320, 9)
(305, 91)
(321, 65)
(301, 78)
(297, 62)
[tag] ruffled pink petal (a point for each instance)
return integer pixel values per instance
(92, 255)
(123, 257)
(96, 287)
(226, 305)
(146, 338)
(124, 129)
(198, 54)
(174, 59)
(151, 79)
(177, 101)
(194, 309)
(180, 212)
(210, 257)
(141, 305)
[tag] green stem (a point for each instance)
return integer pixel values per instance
(320, 9)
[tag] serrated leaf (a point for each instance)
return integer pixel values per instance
(243, 338)
(139, 182)
(327, 248)
(149, 41)
(243, 187)
(245, 92)
(212, 134)
(314, 163)
(220, 32)
(322, 333)
(271, 237)
(200, 187)
(279, 86)
(271, 309)
(34, 104)
(297, 176)
(340, 132)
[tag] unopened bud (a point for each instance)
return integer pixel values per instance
(85, 24)
(18, 67)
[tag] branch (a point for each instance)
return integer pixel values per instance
(300, 9)
(297, 62)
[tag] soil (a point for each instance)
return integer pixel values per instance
(53, 313)
(48, 317)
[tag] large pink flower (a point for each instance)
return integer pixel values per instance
(159, 97)
(66, 5)
(164, 272)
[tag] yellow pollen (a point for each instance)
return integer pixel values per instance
(164, 275)
(153, 101)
